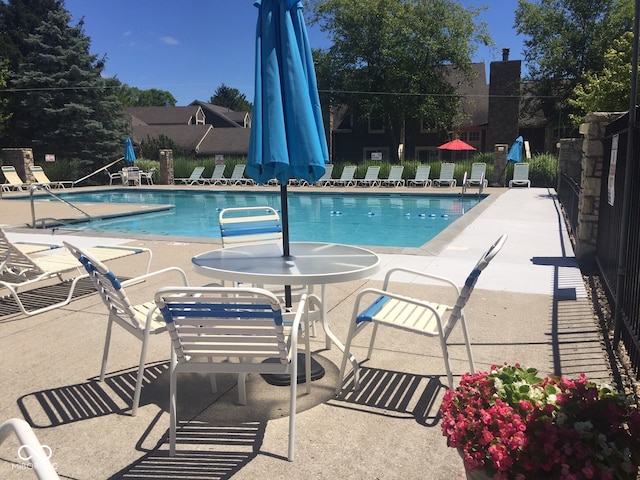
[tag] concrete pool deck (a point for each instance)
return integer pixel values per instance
(530, 306)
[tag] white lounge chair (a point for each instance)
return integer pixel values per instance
(12, 180)
(140, 320)
(478, 175)
(346, 178)
(422, 177)
(520, 176)
(217, 177)
(370, 177)
(446, 175)
(237, 176)
(322, 181)
(414, 315)
(194, 179)
(395, 177)
(215, 323)
(20, 271)
(42, 179)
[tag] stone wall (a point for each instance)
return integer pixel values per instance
(22, 160)
(166, 167)
(589, 173)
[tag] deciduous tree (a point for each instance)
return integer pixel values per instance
(395, 58)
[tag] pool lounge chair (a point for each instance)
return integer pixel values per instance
(141, 320)
(12, 180)
(446, 176)
(520, 176)
(478, 175)
(426, 318)
(370, 177)
(395, 177)
(237, 176)
(194, 179)
(328, 170)
(43, 179)
(346, 178)
(421, 178)
(217, 177)
(20, 271)
(209, 325)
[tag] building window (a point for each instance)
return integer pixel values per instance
(376, 124)
(427, 154)
(474, 136)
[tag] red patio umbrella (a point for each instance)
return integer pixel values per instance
(456, 145)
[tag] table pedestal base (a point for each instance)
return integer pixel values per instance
(281, 380)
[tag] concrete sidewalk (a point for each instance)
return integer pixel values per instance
(530, 306)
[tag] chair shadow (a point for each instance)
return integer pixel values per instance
(235, 446)
(388, 392)
(92, 399)
(44, 296)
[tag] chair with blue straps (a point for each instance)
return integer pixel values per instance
(208, 325)
(414, 315)
(141, 320)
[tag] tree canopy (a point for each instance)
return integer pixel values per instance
(396, 57)
(61, 103)
(566, 39)
(231, 98)
(134, 97)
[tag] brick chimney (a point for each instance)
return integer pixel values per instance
(505, 54)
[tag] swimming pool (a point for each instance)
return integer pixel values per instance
(392, 220)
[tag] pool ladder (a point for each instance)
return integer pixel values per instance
(43, 221)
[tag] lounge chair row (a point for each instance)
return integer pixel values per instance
(237, 177)
(13, 182)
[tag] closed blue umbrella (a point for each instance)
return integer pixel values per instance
(287, 133)
(515, 152)
(129, 154)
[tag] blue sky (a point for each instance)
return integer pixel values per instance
(191, 47)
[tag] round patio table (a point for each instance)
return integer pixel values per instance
(310, 263)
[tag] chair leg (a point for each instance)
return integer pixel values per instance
(173, 393)
(212, 379)
(292, 406)
(372, 341)
(105, 353)
(140, 376)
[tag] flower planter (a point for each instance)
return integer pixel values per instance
(477, 474)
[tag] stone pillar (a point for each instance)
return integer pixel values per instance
(570, 158)
(22, 160)
(166, 167)
(593, 131)
(499, 177)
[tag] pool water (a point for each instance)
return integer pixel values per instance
(393, 220)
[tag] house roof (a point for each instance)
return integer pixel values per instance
(227, 141)
(222, 116)
(164, 115)
(189, 137)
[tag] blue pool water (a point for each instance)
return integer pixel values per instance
(393, 220)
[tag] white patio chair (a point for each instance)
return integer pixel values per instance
(422, 177)
(114, 176)
(214, 323)
(148, 176)
(395, 177)
(520, 176)
(370, 177)
(446, 175)
(217, 177)
(237, 176)
(141, 320)
(27, 267)
(346, 178)
(12, 180)
(194, 179)
(30, 449)
(414, 315)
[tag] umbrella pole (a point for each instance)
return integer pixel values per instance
(284, 206)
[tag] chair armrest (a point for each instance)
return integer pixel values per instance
(136, 250)
(144, 277)
(383, 293)
(295, 326)
(387, 278)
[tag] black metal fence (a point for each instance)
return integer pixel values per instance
(611, 224)
(569, 195)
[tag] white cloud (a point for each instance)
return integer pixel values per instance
(170, 41)
(127, 33)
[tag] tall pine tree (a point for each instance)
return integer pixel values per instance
(62, 105)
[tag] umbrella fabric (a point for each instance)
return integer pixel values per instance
(129, 154)
(515, 152)
(287, 133)
(457, 145)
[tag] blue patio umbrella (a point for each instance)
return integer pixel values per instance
(287, 133)
(515, 152)
(129, 154)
